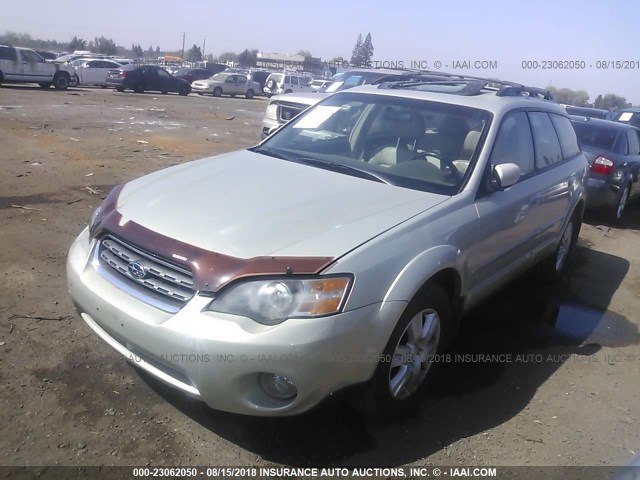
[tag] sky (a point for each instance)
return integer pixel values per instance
(425, 31)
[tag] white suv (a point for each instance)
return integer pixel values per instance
(278, 83)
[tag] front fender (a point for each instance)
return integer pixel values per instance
(423, 267)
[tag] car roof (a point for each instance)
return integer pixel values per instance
(484, 100)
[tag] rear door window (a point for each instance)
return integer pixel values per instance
(634, 146)
(545, 141)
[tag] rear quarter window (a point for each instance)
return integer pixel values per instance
(566, 135)
(8, 53)
(545, 141)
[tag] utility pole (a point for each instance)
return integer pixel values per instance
(183, 37)
(204, 41)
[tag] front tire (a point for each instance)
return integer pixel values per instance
(408, 362)
(44, 85)
(138, 87)
(184, 90)
(120, 89)
(249, 94)
(217, 92)
(61, 81)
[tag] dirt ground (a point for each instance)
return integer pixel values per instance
(566, 395)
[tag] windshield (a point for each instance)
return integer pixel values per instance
(275, 78)
(182, 71)
(600, 137)
(411, 143)
(221, 77)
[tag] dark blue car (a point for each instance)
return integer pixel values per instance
(145, 78)
(613, 150)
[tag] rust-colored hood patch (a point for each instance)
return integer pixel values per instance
(211, 270)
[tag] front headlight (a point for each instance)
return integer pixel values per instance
(272, 301)
(272, 111)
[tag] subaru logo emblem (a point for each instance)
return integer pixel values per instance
(136, 270)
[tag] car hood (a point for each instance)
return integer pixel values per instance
(246, 205)
(300, 98)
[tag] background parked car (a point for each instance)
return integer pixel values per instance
(144, 78)
(319, 85)
(94, 71)
(23, 65)
(46, 54)
(279, 83)
(259, 76)
(226, 84)
(613, 151)
(193, 74)
(589, 112)
(629, 116)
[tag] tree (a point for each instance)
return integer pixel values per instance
(610, 101)
(367, 50)
(248, 58)
(578, 98)
(194, 54)
(157, 50)
(304, 53)
(136, 51)
(356, 56)
(227, 57)
(77, 44)
(150, 52)
(103, 45)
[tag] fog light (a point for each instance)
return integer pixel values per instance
(277, 386)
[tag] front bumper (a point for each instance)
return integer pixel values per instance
(201, 88)
(218, 357)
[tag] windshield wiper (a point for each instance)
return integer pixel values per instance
(269, 152)
(339, 166)
(359, 172)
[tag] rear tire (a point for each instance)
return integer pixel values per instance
(554, 267)
(408, 362)
(120, 89)
(45, 85)
(249, 94)
(61, 81)
(217, 92)
(138, 87)
(184, 90)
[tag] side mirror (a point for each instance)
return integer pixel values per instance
(504, 175)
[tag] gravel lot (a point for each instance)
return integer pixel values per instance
(567, 395)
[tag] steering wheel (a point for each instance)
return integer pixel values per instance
(443, 161)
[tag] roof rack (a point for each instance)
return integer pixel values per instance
(473, 85)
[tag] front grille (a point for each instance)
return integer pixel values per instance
(159, 278)
(287, 112)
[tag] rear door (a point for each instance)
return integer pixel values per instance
(507, 224)
(9, 64)
(633, 162)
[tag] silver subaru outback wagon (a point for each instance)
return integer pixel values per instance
(342, 250)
